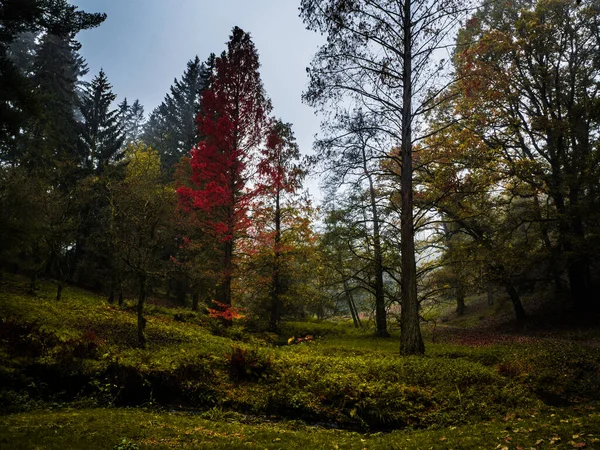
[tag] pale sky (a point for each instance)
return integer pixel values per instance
(145, 44)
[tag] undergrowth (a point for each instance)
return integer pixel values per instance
(81, 352)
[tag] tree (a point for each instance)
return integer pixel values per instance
(142, 207)
(280, 177)
(530, 82)
(18, 97)
(351, 155)
(54, 146)
(172, 127)
(102, 132)
(379, 55)
(132, 120)
(233, 124)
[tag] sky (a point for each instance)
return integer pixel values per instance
(143, 45)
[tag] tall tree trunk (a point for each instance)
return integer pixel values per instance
(411, 341)
(579, 270)
(60, 280)
(351, 305)
(380, 313)
(554, 268)
(140, 312)
(276, 283)
(227, 266)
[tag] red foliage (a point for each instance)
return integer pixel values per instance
(226, 312)
(232, 123)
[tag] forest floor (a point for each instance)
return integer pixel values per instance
(72, 377)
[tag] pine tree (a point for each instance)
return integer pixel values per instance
(102, 132)
(32, 106)
(172, 128)
(132, 120)
(57, 68)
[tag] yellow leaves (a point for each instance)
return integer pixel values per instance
(142, 162)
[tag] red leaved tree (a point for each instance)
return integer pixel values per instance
(232, 123)
(279, 174)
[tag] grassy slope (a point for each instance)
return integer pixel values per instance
(106, 428)
(81, 352)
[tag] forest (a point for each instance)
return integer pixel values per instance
(167, 281)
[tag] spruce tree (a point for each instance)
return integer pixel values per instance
(172, 128)
(132, 120)
(102, 132)
(57, 68)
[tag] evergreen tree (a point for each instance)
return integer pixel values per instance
(234, 124)
(132, 120)
(55, 133)
(172, 128)
(56, 22)
(102, 132)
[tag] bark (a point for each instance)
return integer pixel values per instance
(140, 312)
(276, 282)
(460, 300)
(195, 300)
(351, 305)
(411, 341)
(380, 313)
(121, 292)
(490, 294)
(516, 301)
(227, 267)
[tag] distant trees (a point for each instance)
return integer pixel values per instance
(351, 154)
(56, 66)
(132, 120)
(172, 128)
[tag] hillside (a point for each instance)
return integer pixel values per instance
(72, 377)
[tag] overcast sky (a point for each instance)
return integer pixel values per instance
(145, 44)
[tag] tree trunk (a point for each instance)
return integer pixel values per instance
(33, 283)
(380, 313)
(460, 299)
(411, 341)
(490, 294)
(140, 312)
(351, 305)
(195, 300)
(516, 301)
(276, 283)
(120, 292)
(226, 281)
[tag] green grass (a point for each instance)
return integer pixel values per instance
(108, 428)
(81, 353)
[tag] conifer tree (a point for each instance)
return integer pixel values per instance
(102, 132)
(172, 128)
(132, 120)
(233, 123)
